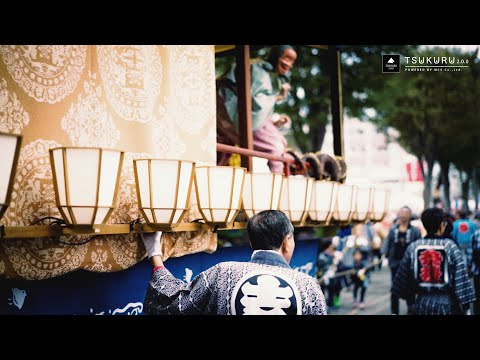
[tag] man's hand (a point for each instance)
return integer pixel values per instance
(153, 243)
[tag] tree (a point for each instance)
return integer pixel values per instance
(435, 114)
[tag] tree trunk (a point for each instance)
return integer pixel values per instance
(439, 180)
(427, 181)
(466, 190)
(445, 169)
(427, 191)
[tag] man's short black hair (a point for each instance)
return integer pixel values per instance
(431, 219)
(267, 229)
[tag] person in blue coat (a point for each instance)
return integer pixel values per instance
(462, 234)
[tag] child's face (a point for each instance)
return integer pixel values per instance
(357, 257)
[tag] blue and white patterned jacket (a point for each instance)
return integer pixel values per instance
(265, 285)
(438, 278)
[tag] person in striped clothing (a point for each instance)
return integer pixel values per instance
(476, 266)
(434, 272)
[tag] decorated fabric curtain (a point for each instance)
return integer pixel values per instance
(151, 101)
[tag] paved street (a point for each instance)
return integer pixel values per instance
(377, 298)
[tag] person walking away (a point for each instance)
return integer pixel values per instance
(360, 279)
(433, 272)
(462, 233)
(399, 237)
(476, 267)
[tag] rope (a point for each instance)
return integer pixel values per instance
(350, 271)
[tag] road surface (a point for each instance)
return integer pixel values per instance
(377, 297)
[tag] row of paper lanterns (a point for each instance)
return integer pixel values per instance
(86, 182)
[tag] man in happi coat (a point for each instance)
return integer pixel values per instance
(434, 272)
(266, 285)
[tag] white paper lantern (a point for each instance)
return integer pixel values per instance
(219, 192)
(261, 192)
(163, 189)
(379, 204)
(86, 183)
(345, 203)
(363, 203)
(295, 197)
(323, 201)
(9, 152)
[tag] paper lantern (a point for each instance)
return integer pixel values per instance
(345, 204)
(261, 192)
(163, 189)
(219, 192)
(86, 183)
(363, 203)
(323, 201)
(379, 204)
(295, 197)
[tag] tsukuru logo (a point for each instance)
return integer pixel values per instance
(18, 298)
(391, 63)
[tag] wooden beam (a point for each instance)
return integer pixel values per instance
(13, 232)
(181, 227)
(242, 58)
(106, 229)
(19, 232)
(336, 100)
(323, 47)
(235, 226)
(221, 48)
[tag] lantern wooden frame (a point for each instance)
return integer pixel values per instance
(336, 214)
(69, 215)
(314, 213)
(225, 223)
(170, 225)
(273, 204)
(373, 213)
(306, 201)
(356, 217)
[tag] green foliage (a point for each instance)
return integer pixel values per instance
(436, 113)
(362, 79)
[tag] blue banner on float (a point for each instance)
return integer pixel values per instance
(121, 293)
